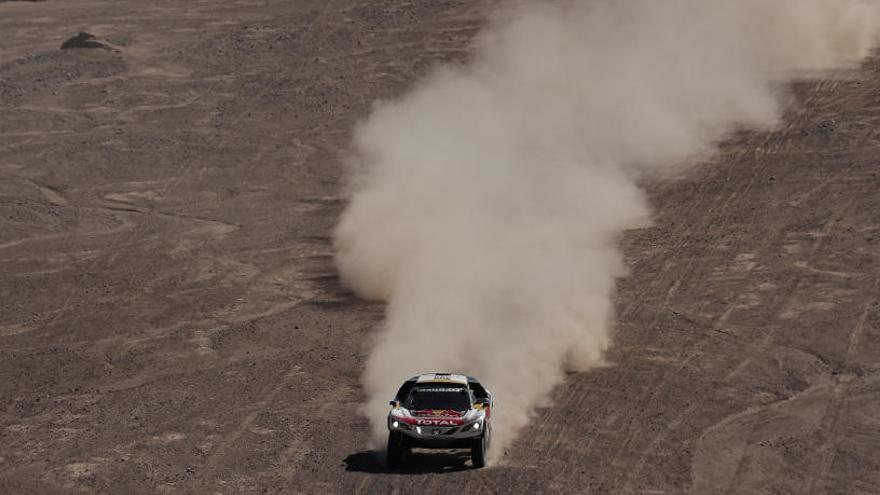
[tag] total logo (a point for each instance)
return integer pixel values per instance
(436, 422)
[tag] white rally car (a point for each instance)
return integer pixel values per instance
(440, 411)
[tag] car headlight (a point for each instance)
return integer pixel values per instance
(475, 426)
(398, 424)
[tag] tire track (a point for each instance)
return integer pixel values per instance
(836, 406)
(774, 144)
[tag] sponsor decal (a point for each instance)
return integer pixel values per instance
(405, 419)
(445, 413)
(439, 422)
(428, 421)
(442, 378)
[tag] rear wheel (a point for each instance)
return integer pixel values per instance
(478, 451)
(395, 449)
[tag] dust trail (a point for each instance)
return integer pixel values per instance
(488, 201)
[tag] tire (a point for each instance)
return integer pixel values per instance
(478, 451)
(395, 450)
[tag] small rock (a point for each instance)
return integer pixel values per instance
(85, 40)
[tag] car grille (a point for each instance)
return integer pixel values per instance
(440, 430)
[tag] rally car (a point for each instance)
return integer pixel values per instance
(440, 411)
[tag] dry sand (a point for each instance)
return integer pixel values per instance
(171, 320)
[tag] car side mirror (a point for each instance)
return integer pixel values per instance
(394, 403)
(483, 402)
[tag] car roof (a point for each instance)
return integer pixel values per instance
(441, 378)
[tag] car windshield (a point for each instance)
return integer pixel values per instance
(455, 399)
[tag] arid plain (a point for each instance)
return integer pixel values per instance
(172, 321)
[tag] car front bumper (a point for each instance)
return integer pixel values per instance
(427, 436)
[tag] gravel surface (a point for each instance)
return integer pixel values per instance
(171, 319)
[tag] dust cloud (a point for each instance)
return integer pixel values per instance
(487, 203)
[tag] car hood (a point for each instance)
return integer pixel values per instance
(436, 417)
(438, 413)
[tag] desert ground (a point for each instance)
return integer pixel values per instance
(172, 322)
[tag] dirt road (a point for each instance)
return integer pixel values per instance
(171, 320)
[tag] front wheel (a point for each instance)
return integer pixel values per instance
(395, 449)
(478, 451)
